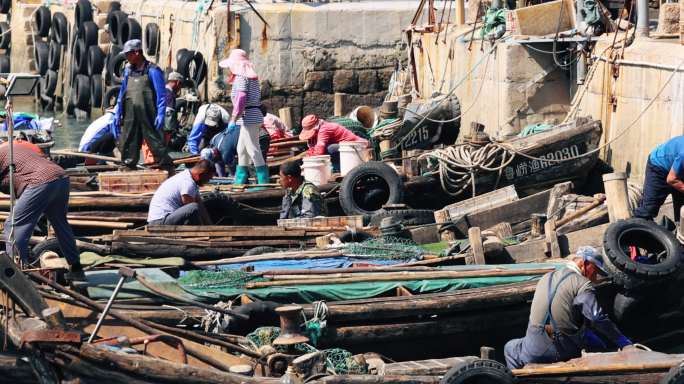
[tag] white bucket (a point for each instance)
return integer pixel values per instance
(317, 169)
(351, 154)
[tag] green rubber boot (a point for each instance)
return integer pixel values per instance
(262, 176)
(241, 175)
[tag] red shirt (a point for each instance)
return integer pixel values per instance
(330, 133)
(31, 169)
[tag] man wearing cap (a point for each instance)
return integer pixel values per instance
(565, 316)
(140, 109)
(210, 120)
(324, 137)
(98, 137)
(302, 198)
(174, 83)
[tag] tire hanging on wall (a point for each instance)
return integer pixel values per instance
(96, 90)
(48, 83)
(72, 100)
(5, 6)
(88, 33)
(82, 86)
(4, 64)
(41, 52)
(116, 66)
(115, 19)
(80, 58)
(54, 55)
(109, 99)
(369, 186)
(42, 20)
(96, 59)
(83, 13)
(191, 64)
(129, 30)
(151, 39)
(113, 51)
(60, 28)
(5, 35)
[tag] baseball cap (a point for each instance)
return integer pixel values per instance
(132, 45)
(212, 116)
(207, 154)
(590, 254)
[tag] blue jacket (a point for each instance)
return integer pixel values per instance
(198, 127)
(157, 78)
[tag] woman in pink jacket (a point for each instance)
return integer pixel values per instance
(324, 138)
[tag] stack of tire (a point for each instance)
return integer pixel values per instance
(5, 38)
(51, 39)
(192, 66)
(644, 260)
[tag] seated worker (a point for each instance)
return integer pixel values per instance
(222, 151)
(302, 199)
(210, 120)
(98, 137)
(275, 127)
(324, 138)
(177, 201)
(664, 176)
(565, 317)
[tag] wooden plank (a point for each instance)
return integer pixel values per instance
(476, 247)
(543, 19)
(513, 212)
(534, 250)
(555, 198)
(482, 202)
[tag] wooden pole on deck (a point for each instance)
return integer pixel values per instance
(341, 103)
(285, 115)
(617, 199)
(460, 12)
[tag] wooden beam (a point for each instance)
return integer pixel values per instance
(534, 250)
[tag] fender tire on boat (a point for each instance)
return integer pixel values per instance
(83, 13)
(478, 371)
(60, 30)
(260, 251)
(385, 188)
(88, 33)
(5, 6)
(54, 55)
(49, 245)
(42, 19)
(110, 96)
(354, 236)
(41, 52)
(48, 83)
(96, 59)
(6, 38)
(82, 92)
(647, 235)
(151, 39)
(184, 63)
(406, 216)
(129, 30)
(96, 90)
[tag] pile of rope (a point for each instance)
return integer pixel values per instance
(386, 129)
(459, 164)
(221, 279)
(385, 247)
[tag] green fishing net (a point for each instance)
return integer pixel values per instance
(387, 247)
(357, 128)
(223, 279)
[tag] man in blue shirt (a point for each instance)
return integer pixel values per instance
(140, 109)
(664, 176)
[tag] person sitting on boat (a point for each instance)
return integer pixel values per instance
(98, 137)
(324, 137)
(177, 201)
(275, 127)
(565, 316)
(210, 120)
(302, 198)
(664, 176)
(42, 188)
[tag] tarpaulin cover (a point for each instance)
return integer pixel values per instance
(351, 291)
(323, 263)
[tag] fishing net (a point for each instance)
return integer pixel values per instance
(356, 127)
(221, 279)
(386, 247)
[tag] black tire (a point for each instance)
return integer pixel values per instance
(48, 83)
(5, 6)
(406, 216)
(647, 235)
(151, 39)
(114, 6)
(115, 20)
(113, 51)
(42, 19)
(191, 64)
(41, 52)
(71, 102)
(674, 376)
(82, 87)
(109, 99)
(116, 66)
(60, 28)
(4, 64)
(6, 38)
(80, 59)
(478, 371)
(54, 55)
(260, 251)
(355, 236)
(88, 33)
(129, 30)
(369, 186)
(96, 90)
(49, 245)
(96, 59)
(83, 13)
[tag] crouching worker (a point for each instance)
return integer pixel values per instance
(177, 201)
(302, 199)
(324, 138)
(565, 317)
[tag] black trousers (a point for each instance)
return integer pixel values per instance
(656, 190)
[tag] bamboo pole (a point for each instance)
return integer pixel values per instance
(285, 115)
(595, 369)
(296, 255)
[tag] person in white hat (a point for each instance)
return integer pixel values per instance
(209, 121)
(98, 137)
